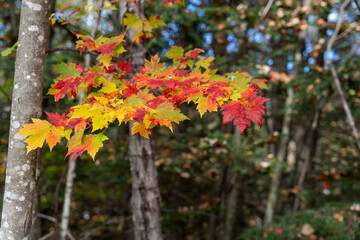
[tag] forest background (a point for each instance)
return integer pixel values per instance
(296, 177)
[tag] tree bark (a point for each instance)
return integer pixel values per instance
(145, 199)
(22, 174)
(281, 155)
(307, 156)
(232, 201)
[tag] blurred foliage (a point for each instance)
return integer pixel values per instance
(333, 221)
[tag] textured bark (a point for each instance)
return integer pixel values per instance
(21, 169)
(217, 191)
(281, 156)
(145, 199)
(231, 206)
(233, 194)
(307, 156)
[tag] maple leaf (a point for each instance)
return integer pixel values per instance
(261, 83)
(138, 128)
(84, 43)
(243, 112)
(77, 123)
(168, 2)
(194, 53)
(67, 82)
(38, 132)
(91, 144)
(56, 119)
(130, 89)
(124, 66)
(175, 53)
(164, 114)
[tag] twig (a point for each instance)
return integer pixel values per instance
(64, 49)
(263, 16)
(348, 56)
(346, 107)
(70, 235)
(357, 4)
(47, 217)
(336, 31)
(267, 8)
(98, 228)
(5, 93)
(46, 236)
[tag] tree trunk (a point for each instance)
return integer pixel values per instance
(307, 156)
(145, 199)
(232, 200)
(21, 169)
(281, 155)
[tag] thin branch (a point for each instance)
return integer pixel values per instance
(336, 32)
(46, 236)
(64, 49)
(70, 235)
(267, 8)
(348, 56)
(47, 217)
(93, 231)
(357, 4)
(263, 16)
(5, 94)
(346, 107)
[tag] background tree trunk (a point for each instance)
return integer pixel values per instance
(233, 194)
(22, 174)
(145, 199)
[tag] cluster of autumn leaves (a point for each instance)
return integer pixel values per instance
(149, 99)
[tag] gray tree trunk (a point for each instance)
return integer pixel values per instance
(232, 201)
(20, 196)
(145, 199)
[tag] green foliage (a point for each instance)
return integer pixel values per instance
(331, 222)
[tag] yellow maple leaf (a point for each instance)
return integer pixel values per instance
(138, 128)
(39, 131)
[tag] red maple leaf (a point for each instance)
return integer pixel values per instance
(88, 42)
(153, 103)
(181, 2)
(77, 123)
(194, 53)
(245, 110)
(56, 119)
(140, 114)
(124, 67)
(130, 90)
(70, 83)
(107, 48)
